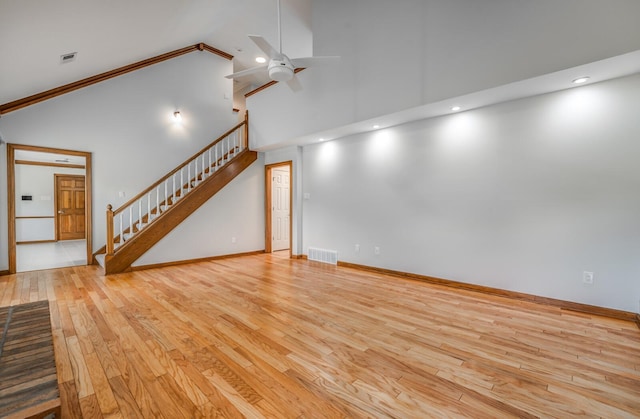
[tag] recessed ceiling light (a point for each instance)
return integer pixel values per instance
(321, 139)
(261, 60)
(581, 80)
(455, 108)
(376, 126)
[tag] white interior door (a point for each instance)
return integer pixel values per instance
(280, 211)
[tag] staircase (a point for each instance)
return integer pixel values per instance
(140, 223)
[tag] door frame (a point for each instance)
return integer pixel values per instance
(268, 169)
(55, 202)
(11, 196)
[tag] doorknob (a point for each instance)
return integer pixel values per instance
(61, 212)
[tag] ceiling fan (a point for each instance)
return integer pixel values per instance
(280, 67)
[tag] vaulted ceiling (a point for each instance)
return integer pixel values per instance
(113, 33)
(110, 34)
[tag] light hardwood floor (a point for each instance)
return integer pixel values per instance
(265, 336)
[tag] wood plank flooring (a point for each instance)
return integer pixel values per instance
(264, 336)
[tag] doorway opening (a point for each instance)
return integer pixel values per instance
(49, 201)
(278, 204)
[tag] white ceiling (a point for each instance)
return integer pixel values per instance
(114, 33)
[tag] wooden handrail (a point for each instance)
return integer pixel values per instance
(180, 166)
(61, 90)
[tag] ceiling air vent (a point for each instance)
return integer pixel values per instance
(67, 58)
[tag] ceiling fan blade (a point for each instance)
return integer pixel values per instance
(247, 72)
(294, 84)
(266, 47)
(309, 61)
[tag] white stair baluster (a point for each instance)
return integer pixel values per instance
(149, 207)
(130, 221)
(189, 177)
(121, 235)
(181, 183)
(140, 215)
(210, 165)
(157, 202)
(216, 155)
(166, 201)
(173, 188)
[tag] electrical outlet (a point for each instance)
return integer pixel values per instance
(376, 250)
(587, 278)
(356, 248)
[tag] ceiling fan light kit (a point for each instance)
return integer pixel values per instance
(281, 70)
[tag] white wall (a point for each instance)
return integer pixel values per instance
(37, 181)
(523, 196)
(126, 123)
(403, 54)
(231, 222)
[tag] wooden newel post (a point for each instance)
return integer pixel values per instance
(109, 230)
(246, 129)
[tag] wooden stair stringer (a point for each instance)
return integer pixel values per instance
(140, 243)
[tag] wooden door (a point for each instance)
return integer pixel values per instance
(280, 208)
(70, 207)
